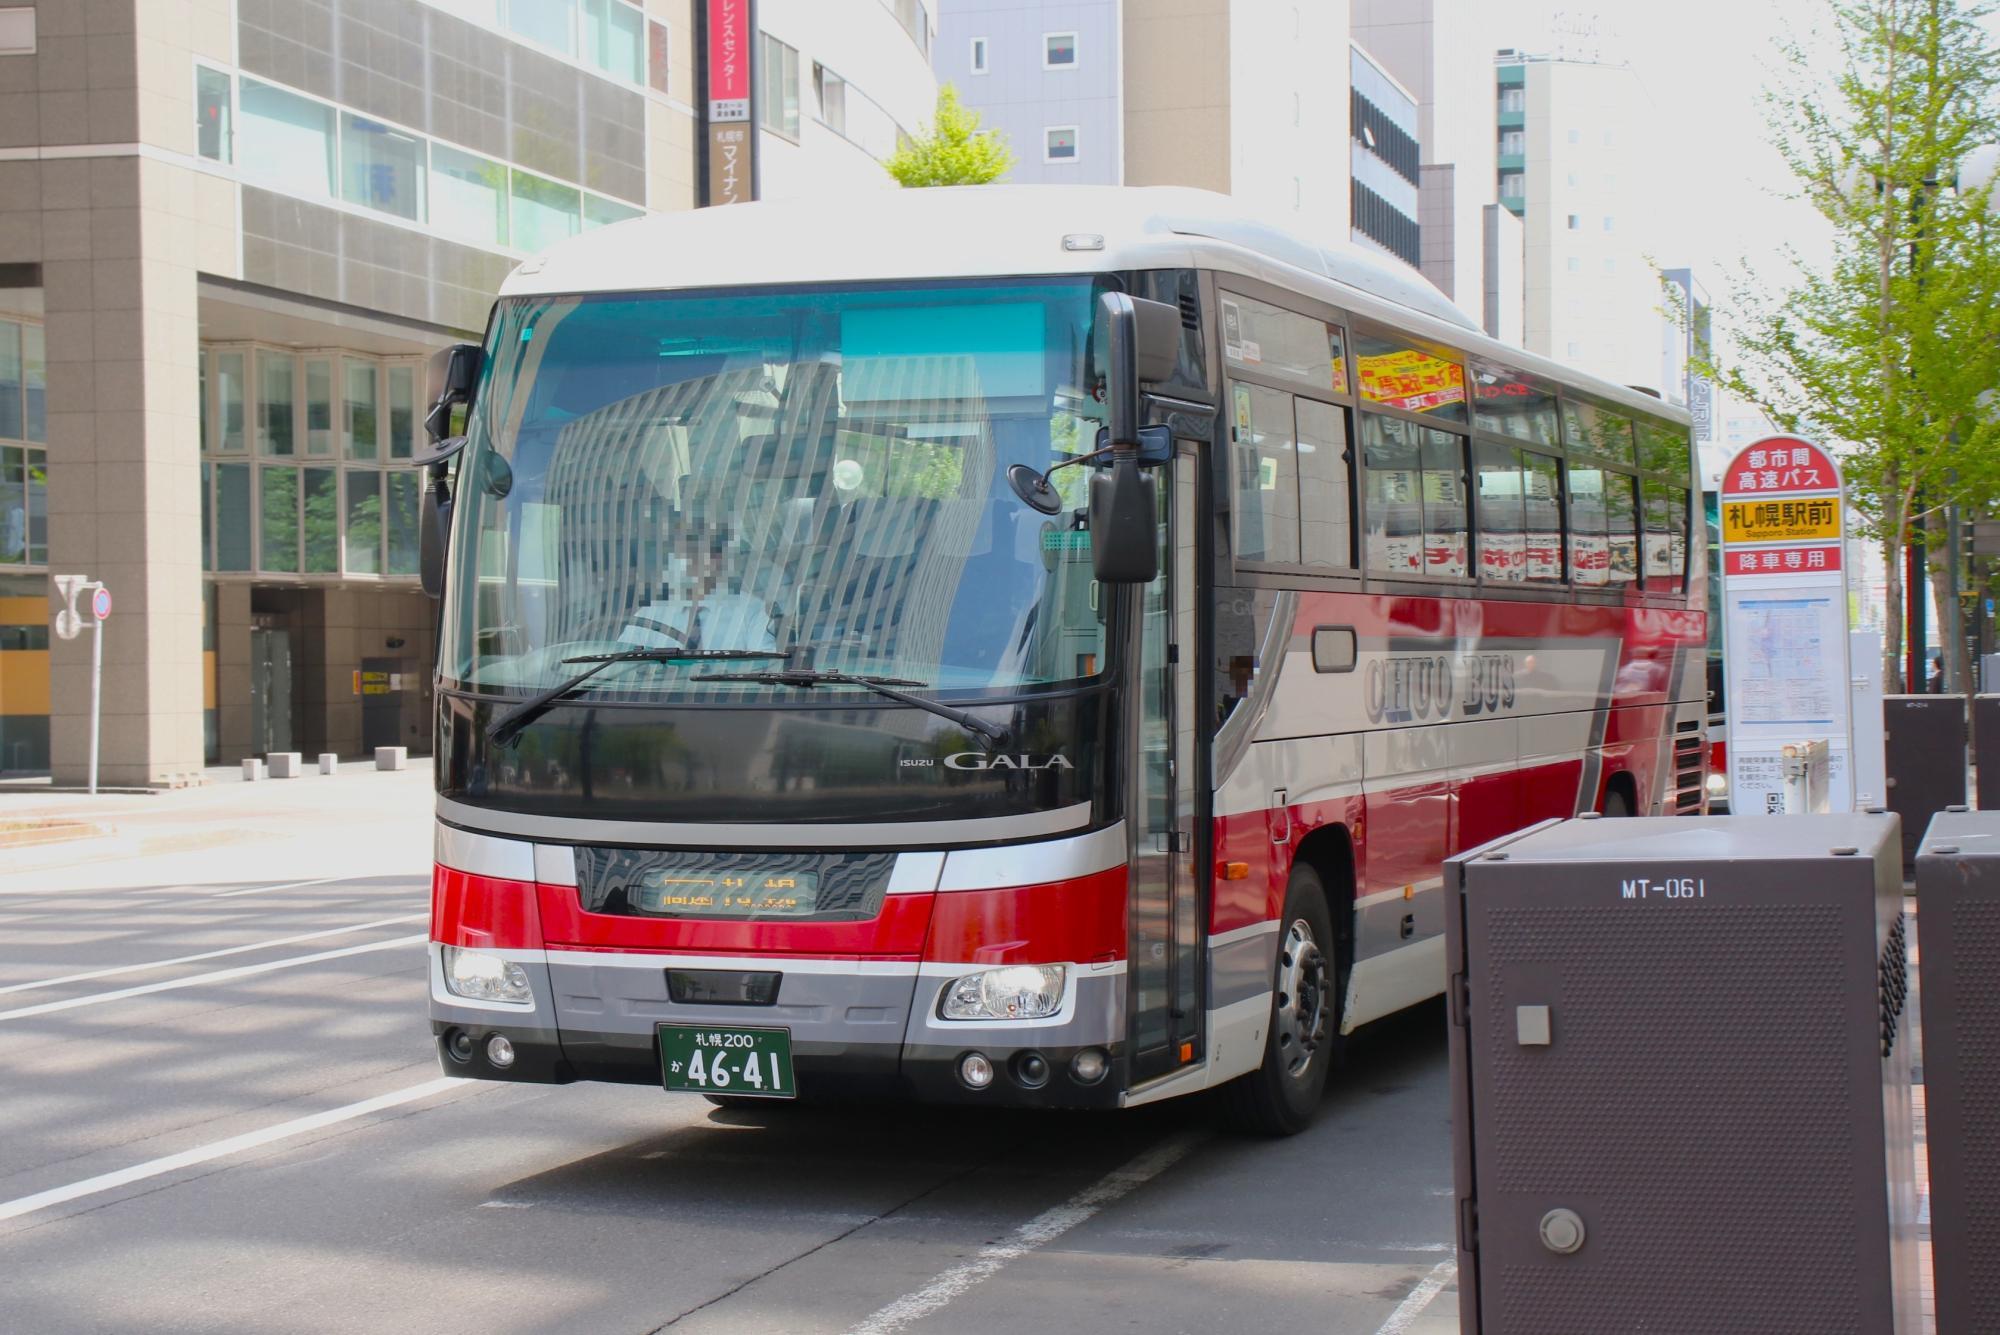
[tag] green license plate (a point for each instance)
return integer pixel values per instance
(710, 1059)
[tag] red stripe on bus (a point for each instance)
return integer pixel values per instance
(1078, 921)
(483, 911)
(898, 931)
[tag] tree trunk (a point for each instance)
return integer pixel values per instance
(1892, 608)
(1957, 669)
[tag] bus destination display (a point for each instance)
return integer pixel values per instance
(729, 894)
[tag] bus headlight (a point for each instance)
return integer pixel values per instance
(1017, 992)
(1718, 783)
(482, 977)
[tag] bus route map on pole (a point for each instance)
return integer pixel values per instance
(1784, 595)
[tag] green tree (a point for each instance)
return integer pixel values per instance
(952, 149)
(1888, 347)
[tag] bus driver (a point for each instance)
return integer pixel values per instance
(706, 608)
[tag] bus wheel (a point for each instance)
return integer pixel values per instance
(1617, 806)
(1280, 1097)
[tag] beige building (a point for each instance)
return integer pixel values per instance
(230, 230)
(1245, 97)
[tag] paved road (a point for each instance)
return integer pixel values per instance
(259, 1140)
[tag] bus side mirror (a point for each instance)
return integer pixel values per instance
(453, 373)
(1143, 340)
(434, 533)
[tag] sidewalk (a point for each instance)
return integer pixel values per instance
(359, 821)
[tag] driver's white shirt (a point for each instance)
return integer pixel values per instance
(726, 621)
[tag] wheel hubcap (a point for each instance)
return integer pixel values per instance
(1303, 999)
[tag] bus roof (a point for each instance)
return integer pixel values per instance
(1002, 230)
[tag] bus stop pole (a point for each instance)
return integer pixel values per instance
(96, 688)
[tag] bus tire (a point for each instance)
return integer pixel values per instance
(1617, 806)
(1281, 1096)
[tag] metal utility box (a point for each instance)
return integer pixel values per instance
(1681, 1078)
(1986, 749)
(1958, 919)
(1924, 745)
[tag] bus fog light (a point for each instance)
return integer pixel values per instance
(1017, 992)
(1089, 1066)
(459, 1044)
(975, 1070)
(478, 976)
(499, 1051)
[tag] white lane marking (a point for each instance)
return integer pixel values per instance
(1412, 1307)
(213, 954)
(250, 1140)
(217, 976)
(1043, 1228)
(288, 885)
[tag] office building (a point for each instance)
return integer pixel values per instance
(1383, 155)
(1046, 74)
(1573, 165)
(1432, 49)
(230, 231)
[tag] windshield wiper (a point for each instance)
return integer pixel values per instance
(508, 726)
(885, 686)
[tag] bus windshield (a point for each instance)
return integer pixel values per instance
(813, 473)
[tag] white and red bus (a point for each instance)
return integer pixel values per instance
(800, 732)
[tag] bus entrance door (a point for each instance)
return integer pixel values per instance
(1166, 952)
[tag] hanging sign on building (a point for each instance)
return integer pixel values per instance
(732, 126)
(1784, 611)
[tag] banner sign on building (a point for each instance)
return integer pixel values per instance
(732, 129)
(1785, 642)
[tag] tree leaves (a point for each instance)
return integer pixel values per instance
(952, 150)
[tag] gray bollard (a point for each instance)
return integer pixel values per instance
(329, 763)
(253, 770)
(286, 764)
(392, 757)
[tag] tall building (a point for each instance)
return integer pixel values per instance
(1575, 166)
(230, 230)
(1384, 155)
(1046, 74)
(1228, 95)
(1431, 48)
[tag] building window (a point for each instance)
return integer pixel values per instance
(979, 55)
(916, 21)
(232, 517)
(381, 168)
(211, 113)
(1373, 130)
(657, 65)
(364, 522)
(274, 404)
(1573, 349)
(549, 22)
(1514, 142)
(778, 109)
(1611, 266)
(830, 91)
(319, 407)
(1575, 222)
(1607, 222)
(468, 196)
(1513, 185)
(287, 140)
(322, 521)
(1058, 50)
(363, 413)
(599, 211)
(17, 32)
(1575, 264)
(278, 519)
(1513, 99)
(1059, 144)
(613, 39)
(1576, 136)
(543, 212)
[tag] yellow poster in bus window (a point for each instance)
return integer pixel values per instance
(1411, 379)
(1779, 520)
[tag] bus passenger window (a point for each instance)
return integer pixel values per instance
(1589, 562)
(1444, 505)
(1503, 553)
(1666, 536)
(1265, 463)
(1621, 529)
(1325, 485)
(1542, 545)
